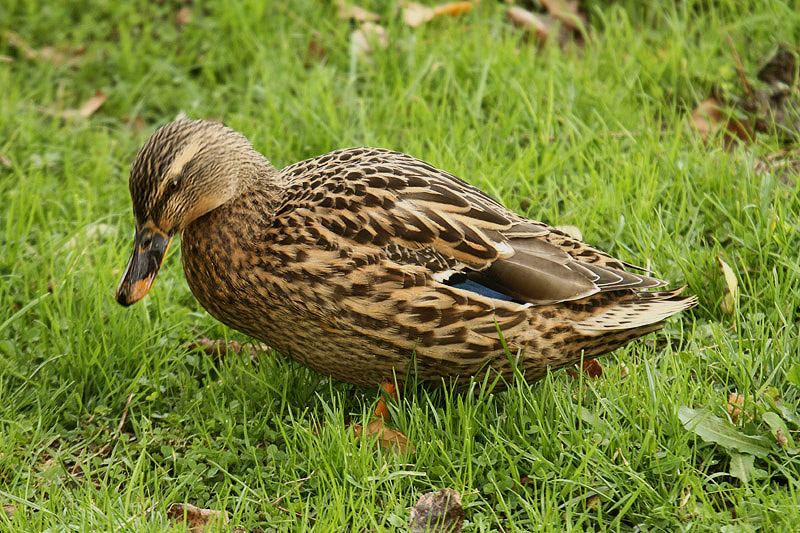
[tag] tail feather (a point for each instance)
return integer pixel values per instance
(639, 310)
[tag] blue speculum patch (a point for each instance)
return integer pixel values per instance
(474, 286)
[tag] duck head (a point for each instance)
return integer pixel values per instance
(186, 169)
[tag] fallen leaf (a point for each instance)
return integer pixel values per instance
(572, 231)
(388, 439)
(92, 104)
(567, 12)
(731, 297)
(184, 16)
(352, 12)
(591, 368)
(197, 519)
(532, 23)
(136, 123)
(58, 56)
(87, 109)
(708, 119)
(4, 160)
(362, 39)
(453, 8)
(416, 14)
(784, 165)
(593, 502)
(220, 348)
(437, 512)
(780, 431)
(735, 403)
(315, 51)
(714, 429)
(9, 510)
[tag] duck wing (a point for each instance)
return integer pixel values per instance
(416, 214)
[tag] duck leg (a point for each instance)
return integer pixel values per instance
(381, 409)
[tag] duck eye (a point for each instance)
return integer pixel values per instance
(173, 184)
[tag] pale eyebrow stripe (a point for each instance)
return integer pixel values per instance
(186, 154)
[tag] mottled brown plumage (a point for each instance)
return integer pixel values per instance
(366, 263)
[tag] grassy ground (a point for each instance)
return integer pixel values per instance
(105, 417)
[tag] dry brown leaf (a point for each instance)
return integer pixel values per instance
(572, 231)
(734, 407)
(781, 437)
(184, 16)
(4, 160)
(785, 165)
(531, 22)
(368, 34)
(58, 56)
(197, 519)
(136, 123)
(87, 109)
(453, 8)
(593, 502)
(591, 368)
(708, 119)
(221, 348)
(567, 12)
(388, 439)
(9, 510)
(352, 12)
(728, 303)
(437, 512)
(92, 104)
(315, 51)
(416, 14)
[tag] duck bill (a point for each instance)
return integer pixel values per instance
(150, 246)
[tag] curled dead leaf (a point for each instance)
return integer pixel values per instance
(198, 519)
(731, 297)
(315, 51)
(708, 119)
(347, 11)
(65, 55)
(221, 348)
(453, 8)
(734, 407)
(184, 16)
(591, 368)
(87, 109)
(416, 14)
(362, 39)
(388, 439)
(532, 23)
(438, 512)
(566, 12)
(781, 437)
(572, 231)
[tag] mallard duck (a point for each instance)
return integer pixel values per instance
(367, 264)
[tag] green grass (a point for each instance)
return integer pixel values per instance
(106, 419)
